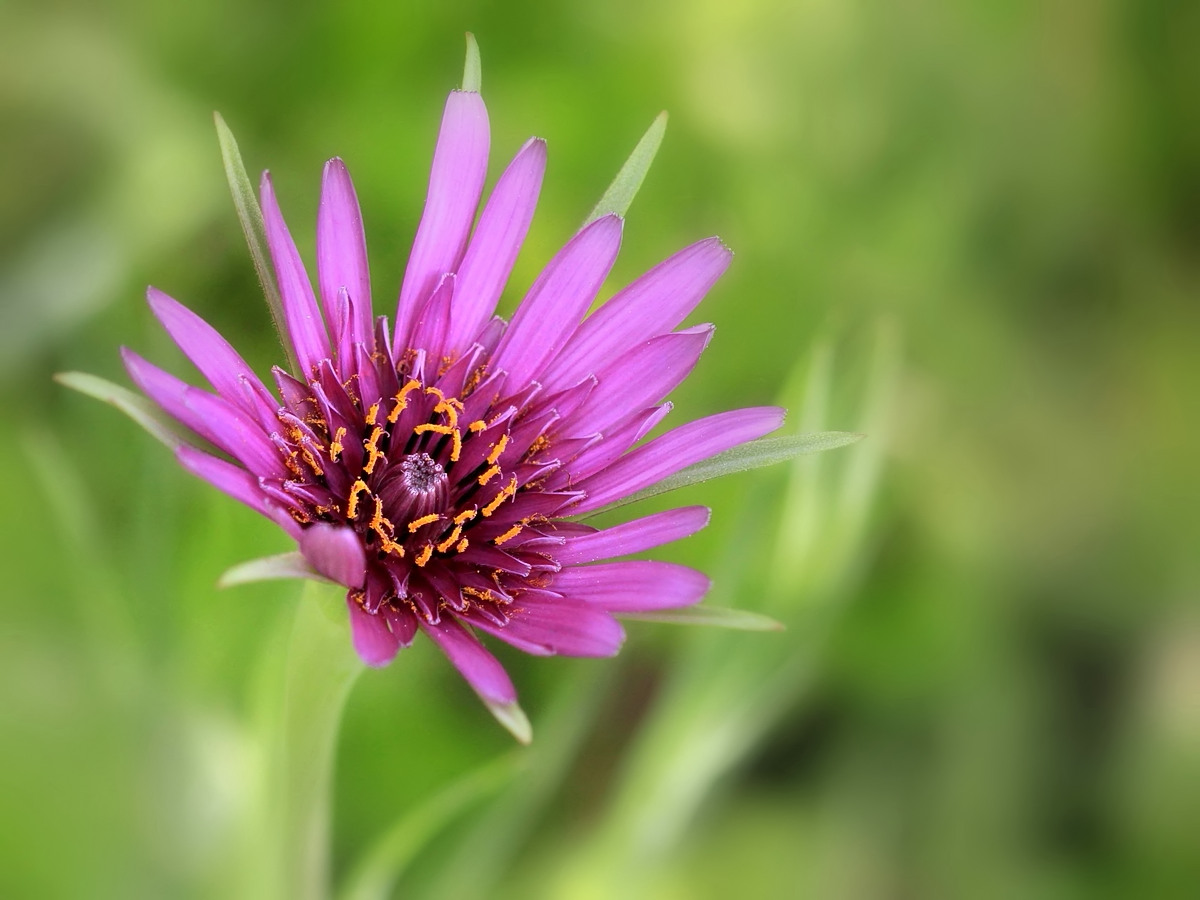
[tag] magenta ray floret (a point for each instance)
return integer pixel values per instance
(429, 467)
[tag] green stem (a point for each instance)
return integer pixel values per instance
(305, 690)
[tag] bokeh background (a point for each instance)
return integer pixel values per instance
(968, 229)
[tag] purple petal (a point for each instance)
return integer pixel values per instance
(675, 450)
(305, 328)
(373, 642)
(224, 368)
(169, 392)
(240, 436)
(336, 552)
(652, 305)
(558, 300)
(498, 236)
(641, 378)
(342, 251)
(633, 537)
(237, 483)
(455, 185)
(482, 670)
(429, 330)
(546, 624)
(633, 586)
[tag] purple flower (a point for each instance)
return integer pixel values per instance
(429, 465)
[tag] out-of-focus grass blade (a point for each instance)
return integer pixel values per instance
(269, 568)
(138, 408)
(720, 616)
(251, 217)
(472, 68)
(754, 455)
(375, 876)
(625, 186)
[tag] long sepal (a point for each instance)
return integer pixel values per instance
(472, 69)
(512, 717)
(270, 568)
(156, 422)
(719, 616)
(753, 455)
(625, 186)
(245, 200)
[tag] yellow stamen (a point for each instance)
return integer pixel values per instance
(311, 459)
(505, 492)
(456, 448)
(498, 449)
(359, 487)
(378, 520)
(424, 520)
(477, 425)
(335, 446)
(461, 546)
(450, 541)
(448, 411)
(437, 429)
(401, 399)
(508, 535)
(369, 446)
(372, 413)
(423, 556)
(489, 475)
(466, 516)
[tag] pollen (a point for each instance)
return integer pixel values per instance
(436, 429)
(335, 446)
(489, 475)
(451, 540)
(465, 516)
(498, 449)
(505, 492)
(372, 413)
(416, 524)
(359, 487)
(424, 556)
(370, 445)
(509, 535)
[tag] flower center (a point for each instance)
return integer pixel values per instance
(422, 474)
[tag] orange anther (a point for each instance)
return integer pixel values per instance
(498, 449)
(359, 487)
(424, 520)
(335, 446)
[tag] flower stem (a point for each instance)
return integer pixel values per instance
(304, 693)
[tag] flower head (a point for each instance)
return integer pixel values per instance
(429, 465)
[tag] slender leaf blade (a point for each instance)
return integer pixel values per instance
(472, 68)
(625, 186)
(719, 616)
(245, 200)
(754, 455)
(269, 568)
(512, 717)
(156, 422)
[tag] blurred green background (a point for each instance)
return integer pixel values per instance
(969, 229)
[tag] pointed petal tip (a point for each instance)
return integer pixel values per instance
(513, 718)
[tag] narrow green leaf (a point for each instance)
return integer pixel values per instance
(754, 455)
(512, 717)
(472, 69)
(245, 200)
(625, 186)
(720, 616)
(138, 408)
(268, 568)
